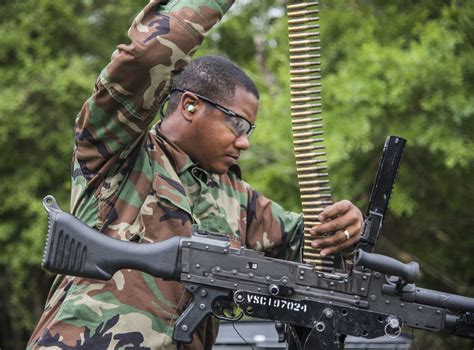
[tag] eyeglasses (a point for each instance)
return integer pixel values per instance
(235, 122)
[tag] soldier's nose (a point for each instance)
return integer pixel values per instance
(242, 142)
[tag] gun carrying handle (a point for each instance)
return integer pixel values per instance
(200, 307)
(386, 265)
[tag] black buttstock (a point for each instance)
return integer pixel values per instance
(381, 192)
(73, 248)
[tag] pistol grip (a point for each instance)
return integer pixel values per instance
(200, 307)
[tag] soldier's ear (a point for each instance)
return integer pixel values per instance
(189, 105)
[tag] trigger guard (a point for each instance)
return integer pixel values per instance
(222, 316)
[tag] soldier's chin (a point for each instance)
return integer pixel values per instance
(220, 169)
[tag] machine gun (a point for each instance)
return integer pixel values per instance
(377, 297)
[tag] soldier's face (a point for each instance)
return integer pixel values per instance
(216, 145)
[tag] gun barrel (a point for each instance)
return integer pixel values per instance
(73, 248)
(439, 299)
(387, 265)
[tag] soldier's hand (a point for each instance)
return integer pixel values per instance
(343, 219)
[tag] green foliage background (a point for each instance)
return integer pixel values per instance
(390, 67)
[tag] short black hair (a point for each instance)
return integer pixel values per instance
(214, 77)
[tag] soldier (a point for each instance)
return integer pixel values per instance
(146, 185)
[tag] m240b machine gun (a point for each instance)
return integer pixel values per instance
(377, 297)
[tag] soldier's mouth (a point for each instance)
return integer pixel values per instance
(234, 156)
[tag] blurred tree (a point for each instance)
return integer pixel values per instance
(390, 67)
(50, 54)
(405, 68)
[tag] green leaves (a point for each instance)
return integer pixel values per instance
(46, 73)
(389, 67)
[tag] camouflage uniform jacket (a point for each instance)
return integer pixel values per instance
(133, 184)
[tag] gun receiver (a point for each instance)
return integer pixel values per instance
(365, 303)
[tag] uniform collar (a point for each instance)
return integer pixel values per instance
(179, 159)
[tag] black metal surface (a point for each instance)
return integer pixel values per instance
(73, 248)
(381, 192)
(262, 335)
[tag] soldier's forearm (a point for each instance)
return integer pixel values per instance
(163, 38)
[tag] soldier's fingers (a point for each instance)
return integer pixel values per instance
(327, 227)
(351, 217)
(327, 241)
(344, 245)
(339, 240)
(335, 210)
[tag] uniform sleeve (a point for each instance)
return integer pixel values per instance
(272, 229)
(128, 92)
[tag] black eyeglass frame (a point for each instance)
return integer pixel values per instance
(221, 108)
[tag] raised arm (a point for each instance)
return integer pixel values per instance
(130, 89)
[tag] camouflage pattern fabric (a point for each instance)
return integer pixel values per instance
(133, 184)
